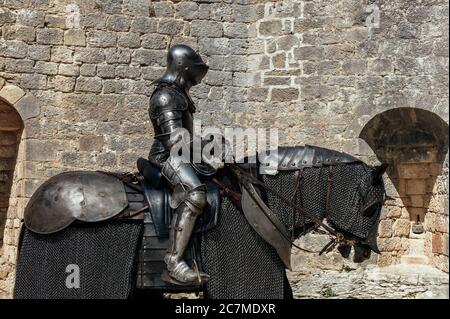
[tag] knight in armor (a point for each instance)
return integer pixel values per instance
(171, 109)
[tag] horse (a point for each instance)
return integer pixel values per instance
(94, 234)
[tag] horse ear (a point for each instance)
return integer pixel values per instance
(377, 175)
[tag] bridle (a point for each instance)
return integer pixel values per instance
(337, 238)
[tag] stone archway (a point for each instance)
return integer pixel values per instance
(414, 142)
(11, 126)
(17, 107)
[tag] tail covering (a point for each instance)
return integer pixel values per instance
(103, 255)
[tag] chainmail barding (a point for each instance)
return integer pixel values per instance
(105, 255)
(351, 193)
(236, 254)
(239, 261)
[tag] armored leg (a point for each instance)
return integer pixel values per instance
(189, 199)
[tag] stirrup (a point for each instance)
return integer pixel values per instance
(181, 268)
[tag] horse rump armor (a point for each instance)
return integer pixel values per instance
(64, 198)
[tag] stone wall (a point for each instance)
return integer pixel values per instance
(79, 73)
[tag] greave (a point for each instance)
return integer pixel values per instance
(181, 229)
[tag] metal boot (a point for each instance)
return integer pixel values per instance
(181, 229)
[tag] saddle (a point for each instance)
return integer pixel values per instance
(158, 197)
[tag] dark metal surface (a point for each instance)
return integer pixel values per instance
(265, 223)
(298, 157)
(161, 212)
(85, 196)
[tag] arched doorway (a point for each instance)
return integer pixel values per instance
(414, 142)
(11, 127)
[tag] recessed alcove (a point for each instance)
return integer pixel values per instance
(414, 142)
(11, 126)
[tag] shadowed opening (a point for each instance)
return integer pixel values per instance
(414, 142)
(11, 126)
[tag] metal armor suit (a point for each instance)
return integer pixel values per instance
(171, 108)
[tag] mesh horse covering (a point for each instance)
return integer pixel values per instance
(350, 193)
(241, 264)
(105, 254)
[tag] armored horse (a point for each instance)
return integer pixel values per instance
(114, 227)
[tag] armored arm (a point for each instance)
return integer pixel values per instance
(166, 112)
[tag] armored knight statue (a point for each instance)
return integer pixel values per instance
(171, 109)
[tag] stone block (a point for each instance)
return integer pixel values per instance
(13, 49)
(417, 200)
(39, 52)
(49, 36)
(61, 54)
(437, 243)
(102, 39)
(106, 71)
(19, 65)
(55, 21)
(62, 83)
(279, 61)
(28, 107)
(309, 53)
(89, 84)
(414, 171)
(136, 7)
(118, 55)
(445, 244)
(69, 69)
(130, 72)
(284, 94)
(148, 57)
(354, 67)
(137, 101)
(32, 18)
(270, 28)
(385, 228)
(380, 66)
(37, 150)
(118, 23)
(129, 40)
(11, 93)
(154, 41)
(170, 26)
(144, 25)
(88, 69)
(34, 81)
(163, 9)
(209, 29)
(48, 68)
(416, 187)
(89, 55)
(187, 10)
(402, 227)
(20, 33)
(91, 143)
(75, 37)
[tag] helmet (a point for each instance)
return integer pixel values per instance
(184, 66)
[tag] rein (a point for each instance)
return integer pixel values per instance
(337, 237)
